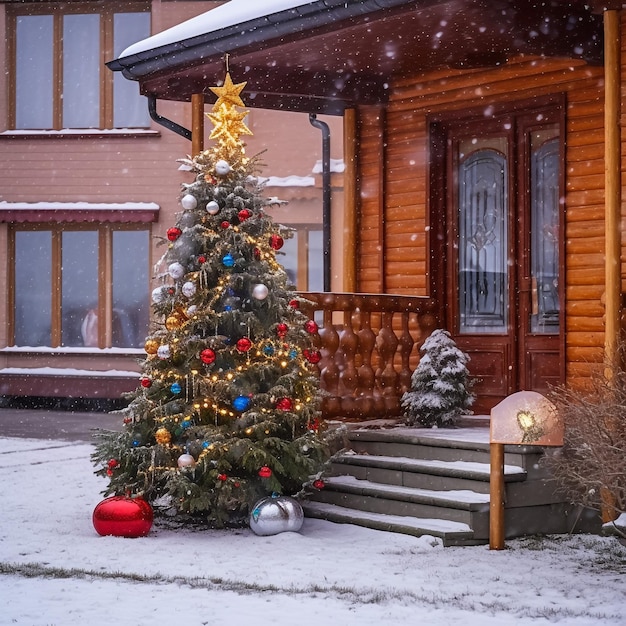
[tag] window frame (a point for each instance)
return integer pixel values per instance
(58, 10)
(104, 272)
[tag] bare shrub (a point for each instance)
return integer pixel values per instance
(590, 468)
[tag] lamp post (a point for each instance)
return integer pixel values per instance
(524, 418)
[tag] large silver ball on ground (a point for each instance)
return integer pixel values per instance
(276, 514)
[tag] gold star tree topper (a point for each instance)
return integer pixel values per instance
(227, 120)
(229, 126)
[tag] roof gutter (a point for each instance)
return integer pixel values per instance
(250, 34)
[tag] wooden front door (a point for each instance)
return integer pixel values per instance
(500, 204)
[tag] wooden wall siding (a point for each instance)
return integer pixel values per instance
(406, 201)
(370, 251)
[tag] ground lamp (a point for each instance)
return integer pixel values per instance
(525, 418)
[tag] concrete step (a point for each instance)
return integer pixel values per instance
(451, 533)
(467, 507)
(420, 474)
(471, 444)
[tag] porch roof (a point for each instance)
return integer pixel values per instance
(324, 56)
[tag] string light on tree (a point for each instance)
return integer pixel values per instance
(230, 364)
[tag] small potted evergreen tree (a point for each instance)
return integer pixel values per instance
(440, 386)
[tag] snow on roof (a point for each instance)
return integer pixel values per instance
(228, 14)
(67, 371)
(287, 181)
(336, 165)
(78, 206)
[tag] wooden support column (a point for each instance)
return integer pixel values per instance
(350, 201)
(197, 123)
(496, 498)
(612, 177)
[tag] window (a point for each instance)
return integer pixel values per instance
(302, 258)
(80, 285)
(61, 49)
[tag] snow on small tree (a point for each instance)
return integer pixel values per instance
(440, 386)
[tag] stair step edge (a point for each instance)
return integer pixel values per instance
(459, 499)
(427, 437)
(452, 533)
(455, 469)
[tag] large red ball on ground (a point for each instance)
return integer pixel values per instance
(123, 517)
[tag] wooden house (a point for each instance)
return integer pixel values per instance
(483, 181)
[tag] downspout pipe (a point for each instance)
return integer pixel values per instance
(323, 126)
(163, 121)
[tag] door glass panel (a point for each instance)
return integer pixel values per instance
(81, 71)
(483, 241)
(79, 288)
(33, 286)
(33, 72)
(130, 288)
(544, 188)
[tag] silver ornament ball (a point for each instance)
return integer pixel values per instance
(212, 207)
(164, 352)
(260, 292)
(186, 460)
(158, 295)
(176, 270)
(276, 514)
(222, 168)
(188, 202)
(189, 289)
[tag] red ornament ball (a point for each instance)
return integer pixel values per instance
(311, 327)
(225, 224)
(244, 344)
(284, 404)
(174, 233)
(294, 304)
(113, 463)
(282, 329)
(222, 477)
(201, 259)
(276, 242)
(244, 214)
(312, 356)
(319, 484)
(265, 472)
(123, 517)
(146, 382)
(207, 356)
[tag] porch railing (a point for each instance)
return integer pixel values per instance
(369, 345)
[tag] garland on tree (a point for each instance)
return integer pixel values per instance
(228, 407)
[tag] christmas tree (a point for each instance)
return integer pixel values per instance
(440, 385)
(228, 407)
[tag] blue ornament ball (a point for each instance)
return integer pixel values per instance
(175, 388)
(268, 350)
(228, 260)
(241, 403)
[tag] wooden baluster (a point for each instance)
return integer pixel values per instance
(387, 344)
(406, 345)
(366, 388)
(348, 343)
(329, 371)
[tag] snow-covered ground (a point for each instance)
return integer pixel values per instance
(56, 570)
